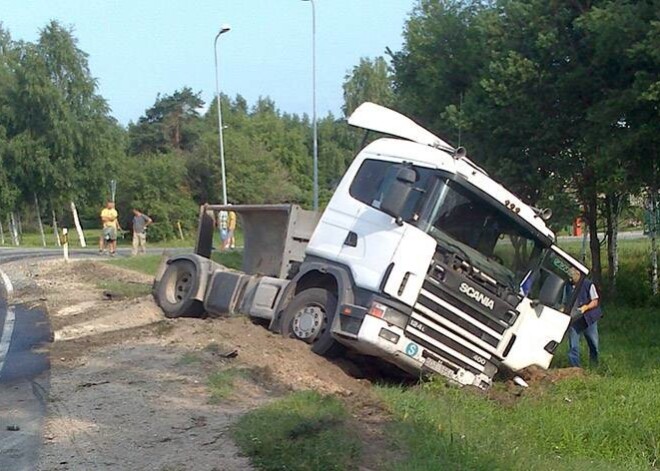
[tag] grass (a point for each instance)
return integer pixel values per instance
(124, 289)
(189, 359)
(149, 263)
(303, 431)
(163, 328)
(232, 259)
(143, 263)
(608, 419)
(633, 285)
(33, 239)
(221, 384)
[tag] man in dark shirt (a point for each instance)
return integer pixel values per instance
(140, 223)
(588, 303)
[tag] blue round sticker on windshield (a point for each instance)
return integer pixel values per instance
(412, 349)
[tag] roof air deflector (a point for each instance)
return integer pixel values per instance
(380, 119)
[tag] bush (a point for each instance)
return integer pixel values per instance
(633, 285)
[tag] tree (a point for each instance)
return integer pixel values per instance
(7, 64)
(368, 81)
(442, 57)
(546, 95)
(61, 139)
(154, 184)
(169, 125)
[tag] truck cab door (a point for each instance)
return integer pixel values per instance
(370, 245)
(545, 314)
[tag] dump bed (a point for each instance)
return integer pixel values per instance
(275, 236)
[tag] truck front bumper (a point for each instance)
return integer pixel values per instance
(379, 338)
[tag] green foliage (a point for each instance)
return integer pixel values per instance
(221, 384)
(144, 263)
(59, 143)
(303, 431)
(154, 184)
(258, 176)
(124, 289)
(57, 140)
(550, 97)
(368, 81)
(267, 153)
(149, 263)
(170, 124)
(633, 285)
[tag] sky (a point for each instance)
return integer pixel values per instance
(139, 48)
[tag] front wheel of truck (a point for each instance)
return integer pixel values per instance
(309, 317)
(176, 290)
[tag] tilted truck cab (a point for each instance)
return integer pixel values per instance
(420, 258)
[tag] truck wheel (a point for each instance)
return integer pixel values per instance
(176, 290)
(309, 317)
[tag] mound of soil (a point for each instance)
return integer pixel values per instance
(534, 374)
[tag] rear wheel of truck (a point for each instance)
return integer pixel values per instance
(176, 289)
(309, 318)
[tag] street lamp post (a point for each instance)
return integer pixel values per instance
(314, 130)
(223, 29)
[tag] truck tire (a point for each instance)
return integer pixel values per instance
(308, 318)
(176, 289)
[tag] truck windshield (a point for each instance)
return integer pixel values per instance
(464, 223)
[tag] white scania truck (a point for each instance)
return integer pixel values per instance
(420, 258)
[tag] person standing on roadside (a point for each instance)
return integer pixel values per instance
(140, 223)
(110, 222)
(230, 242)
(588, 303)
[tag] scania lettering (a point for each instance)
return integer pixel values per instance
(420, 259)
(473, 293)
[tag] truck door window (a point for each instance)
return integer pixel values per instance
(373, 178)
(552, 283)
(367, 183)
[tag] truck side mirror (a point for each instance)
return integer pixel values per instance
(396, 196)
(551, 289)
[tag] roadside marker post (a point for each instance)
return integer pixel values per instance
(65, 243)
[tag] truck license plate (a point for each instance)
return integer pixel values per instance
(437, 367)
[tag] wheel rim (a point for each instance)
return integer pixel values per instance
(308, 321)
(182, 286)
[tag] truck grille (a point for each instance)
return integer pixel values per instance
(456, 332)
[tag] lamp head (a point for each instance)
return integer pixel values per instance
(224, 29)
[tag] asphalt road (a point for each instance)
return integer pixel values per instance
(24, 380)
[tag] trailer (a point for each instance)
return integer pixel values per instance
(420, 259)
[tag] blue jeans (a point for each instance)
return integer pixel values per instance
(591, 334)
